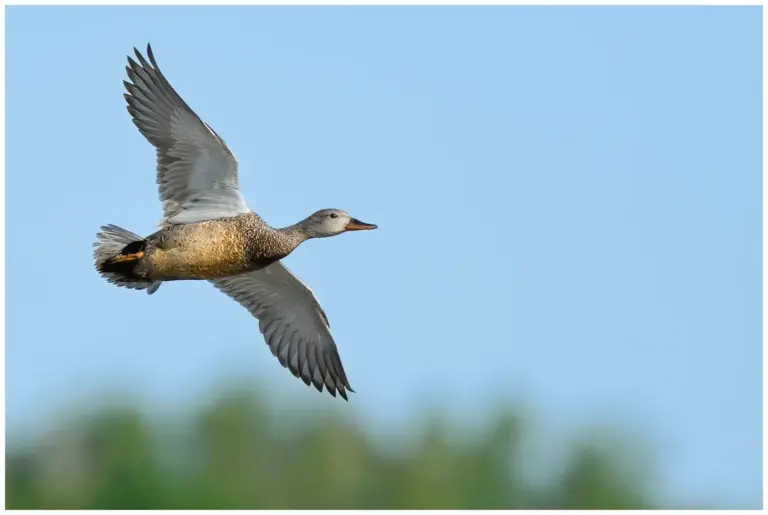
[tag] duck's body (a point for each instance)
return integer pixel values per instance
(208, 233)
(211, 249)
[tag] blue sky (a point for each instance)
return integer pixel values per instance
(568, 201)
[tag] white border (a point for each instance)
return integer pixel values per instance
(369, 3)
(390, 2)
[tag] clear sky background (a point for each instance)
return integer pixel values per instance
(568, 203)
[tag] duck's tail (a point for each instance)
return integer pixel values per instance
(116, 253)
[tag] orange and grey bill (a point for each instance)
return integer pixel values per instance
(356, 225)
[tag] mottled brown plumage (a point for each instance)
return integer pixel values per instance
(215, 248)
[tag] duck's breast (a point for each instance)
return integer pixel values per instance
(206, 250)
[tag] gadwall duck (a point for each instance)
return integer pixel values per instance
(207, 232)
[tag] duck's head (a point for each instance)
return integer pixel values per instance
(330, 222)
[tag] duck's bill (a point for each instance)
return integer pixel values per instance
(356, 225)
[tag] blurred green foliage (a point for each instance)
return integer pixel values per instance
(236, 453)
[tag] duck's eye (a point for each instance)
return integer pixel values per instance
(333, 215)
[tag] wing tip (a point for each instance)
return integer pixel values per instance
(141, 58)
(342, 391)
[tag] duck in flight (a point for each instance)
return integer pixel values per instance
(208, 233)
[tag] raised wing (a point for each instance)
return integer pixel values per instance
(293, 324)
(196, 171)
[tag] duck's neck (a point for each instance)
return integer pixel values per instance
(292, 236)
